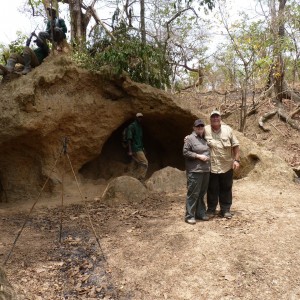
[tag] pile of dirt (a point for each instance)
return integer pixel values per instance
(58, 100)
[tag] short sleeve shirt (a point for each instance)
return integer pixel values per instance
(221, 144)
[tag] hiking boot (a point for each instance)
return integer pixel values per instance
(211, 214)
(27, 64)
(227, 215)
(3, 70)
(10, 66)
(203, 218)
(191, 221)
(26, 70)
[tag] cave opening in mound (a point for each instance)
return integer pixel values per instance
(3, 194)
(163, 143)
(248, 163)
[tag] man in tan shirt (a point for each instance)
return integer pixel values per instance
(225, 158)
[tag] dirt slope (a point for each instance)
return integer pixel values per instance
(281, 139)
(150, 253)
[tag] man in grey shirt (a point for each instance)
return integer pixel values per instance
(197, 162)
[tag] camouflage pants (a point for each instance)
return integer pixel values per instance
(139, 165)
(20, 58)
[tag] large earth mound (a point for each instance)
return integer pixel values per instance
(60, 101)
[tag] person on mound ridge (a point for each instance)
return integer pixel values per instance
(29, 58)
(139, 162)
(56, 29)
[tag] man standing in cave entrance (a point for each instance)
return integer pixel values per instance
(139, 162)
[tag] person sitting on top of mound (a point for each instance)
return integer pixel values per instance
(29, 58)
(56, 29)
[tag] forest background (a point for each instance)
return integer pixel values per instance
(176, 45)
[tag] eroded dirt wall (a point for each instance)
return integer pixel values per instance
(58, 100)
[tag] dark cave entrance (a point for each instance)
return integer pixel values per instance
(163, 141)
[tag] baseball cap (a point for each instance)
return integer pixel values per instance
(198, 123)
(138, 115)
(215, 112)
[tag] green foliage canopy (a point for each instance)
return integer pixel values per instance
(129, 55)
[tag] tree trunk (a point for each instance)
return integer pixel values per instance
(276, 76)
(278, 69)
(78, 28)
(143, 38)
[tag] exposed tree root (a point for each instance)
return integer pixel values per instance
(295, 112)
(266, 117)
(283, 115)
(263, 96)
(290, 94)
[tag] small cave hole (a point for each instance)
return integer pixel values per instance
(247, 165)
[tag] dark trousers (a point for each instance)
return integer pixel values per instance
(197, 187)
(220, 190)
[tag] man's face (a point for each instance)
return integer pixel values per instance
(215, 120)
(52, 13)
(140, 119)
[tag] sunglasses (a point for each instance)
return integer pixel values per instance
(200, 126)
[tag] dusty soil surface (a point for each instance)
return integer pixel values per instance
(147, 251)
(279, 138)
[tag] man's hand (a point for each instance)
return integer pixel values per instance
(236, 165)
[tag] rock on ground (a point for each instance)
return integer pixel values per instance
(167, 180)
(124, 189)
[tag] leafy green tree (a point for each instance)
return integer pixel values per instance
(126, 54)
(160, 40)
(250, 44)
(15, 46)
(278, 86)
(293, 33)
(163, 30)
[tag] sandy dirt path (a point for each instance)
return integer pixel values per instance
(149, 252)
